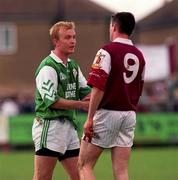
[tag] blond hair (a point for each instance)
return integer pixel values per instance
(54, 30)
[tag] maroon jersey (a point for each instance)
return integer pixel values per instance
(118, 70)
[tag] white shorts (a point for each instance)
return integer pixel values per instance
(113, 128)
(57, 135)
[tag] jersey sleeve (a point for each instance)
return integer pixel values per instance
(100, 70)
(46, 83)
(84, 89)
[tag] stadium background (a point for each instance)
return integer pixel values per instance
(24, 41)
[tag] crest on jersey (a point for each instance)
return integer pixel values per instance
(98, 60)
(74, 72)
(62, 76)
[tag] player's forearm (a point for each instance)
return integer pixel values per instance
(96, 97)
(87, 97)
(67, 104)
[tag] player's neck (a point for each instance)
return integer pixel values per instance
(61, 55)
(120, 35)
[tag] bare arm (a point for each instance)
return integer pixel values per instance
(87, 97)
(70, 104)
(96, 97)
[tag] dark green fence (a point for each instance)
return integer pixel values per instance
(150, 128)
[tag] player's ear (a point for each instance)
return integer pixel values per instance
(54, 41)
(115, 27)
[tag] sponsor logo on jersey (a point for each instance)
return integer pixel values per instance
(71, 91)
(71, 86)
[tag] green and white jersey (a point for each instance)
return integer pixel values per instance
(54, 80)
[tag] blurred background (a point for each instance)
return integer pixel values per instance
(24, 42)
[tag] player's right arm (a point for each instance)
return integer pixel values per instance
(47, 83)
(70, 104)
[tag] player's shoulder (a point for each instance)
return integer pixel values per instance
(109, 47)
(138, 52)
(47, 61)
(73, 63)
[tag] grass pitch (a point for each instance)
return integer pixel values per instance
(145, 164)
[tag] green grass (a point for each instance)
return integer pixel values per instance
(145, 164)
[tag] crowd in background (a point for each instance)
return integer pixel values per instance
(159, 96)
(21, 103)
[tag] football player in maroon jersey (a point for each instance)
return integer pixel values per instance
(116, 78)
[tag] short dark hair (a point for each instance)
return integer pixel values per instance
(125, 22)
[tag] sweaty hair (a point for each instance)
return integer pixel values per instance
(125, 21)
(54, 30)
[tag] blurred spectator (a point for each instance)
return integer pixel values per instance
(159, 96)
(9, 107)
(26, 103)
(176, 99)
(173, 93)
(154, 97)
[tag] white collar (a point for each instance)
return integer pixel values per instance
(123, 40)
(57, 59)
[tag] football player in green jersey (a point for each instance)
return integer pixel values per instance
(61, 89)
